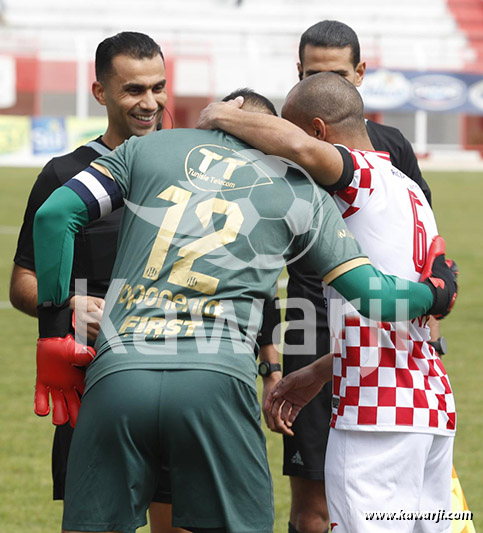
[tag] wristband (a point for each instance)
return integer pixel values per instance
(54, 319)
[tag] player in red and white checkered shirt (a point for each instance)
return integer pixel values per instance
(386, 375)
(391, 441)
(393, 407)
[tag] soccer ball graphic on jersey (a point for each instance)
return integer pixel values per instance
(238, 209)
(277, 205)
(269, 226)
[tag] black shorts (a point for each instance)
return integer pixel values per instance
(304, 453)
(60, 451)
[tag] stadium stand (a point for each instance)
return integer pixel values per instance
(469, 18)
(408, 34)
(216, 45)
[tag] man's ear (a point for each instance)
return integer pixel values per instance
(98, 92)
(319, 129)
(300, 70)
(360, 71)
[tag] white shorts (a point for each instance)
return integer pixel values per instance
(407, 475)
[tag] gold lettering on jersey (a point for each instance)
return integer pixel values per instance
(211, 167)
(125, 293)
(165, 294)
(195, 305)
(179, 301)
(173, 327)
(129, 322)
(165, 300)
(147, 297)
(154, 327)
(182, 273)
(137, 294)
(168, 228)
(343, 233)
(142, 324)
(190, 326)
(213, 309)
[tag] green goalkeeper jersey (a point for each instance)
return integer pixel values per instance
(208, 225)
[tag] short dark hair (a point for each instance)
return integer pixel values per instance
(331, 34)
(129, 43)
(254, 99)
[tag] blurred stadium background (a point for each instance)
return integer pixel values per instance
(425, 65)
(424, 61)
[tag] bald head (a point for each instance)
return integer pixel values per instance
(329, 97)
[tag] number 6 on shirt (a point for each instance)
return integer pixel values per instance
(420, 240)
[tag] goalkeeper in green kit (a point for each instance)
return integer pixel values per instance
(208, 226)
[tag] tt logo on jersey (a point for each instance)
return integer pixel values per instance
(210, 167)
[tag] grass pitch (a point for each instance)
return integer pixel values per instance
(25, 440)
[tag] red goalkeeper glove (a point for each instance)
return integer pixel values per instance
(58, 374)
(59, 362)
(440, 276)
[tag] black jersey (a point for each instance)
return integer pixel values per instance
(96, 244)
(388, 139)
(304, 283)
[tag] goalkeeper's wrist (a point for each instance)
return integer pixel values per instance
(54, 319)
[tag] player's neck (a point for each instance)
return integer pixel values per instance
(111, 139)
(354, 140)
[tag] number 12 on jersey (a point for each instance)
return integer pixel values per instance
(181, 272)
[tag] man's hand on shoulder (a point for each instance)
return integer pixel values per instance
(211, 117)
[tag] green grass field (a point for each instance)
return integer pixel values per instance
(25, 440)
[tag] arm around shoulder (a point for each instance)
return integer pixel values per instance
(276, 136)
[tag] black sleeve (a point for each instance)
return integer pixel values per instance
(347, 172)
(409, 165)
(271, 319)
(46, 183)
(388, 139)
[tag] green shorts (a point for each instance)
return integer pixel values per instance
(205, 424)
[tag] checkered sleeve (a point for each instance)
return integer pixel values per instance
(355, 195)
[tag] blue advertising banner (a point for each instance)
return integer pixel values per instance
(48, 135)
(388, 90)
(32, 141)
